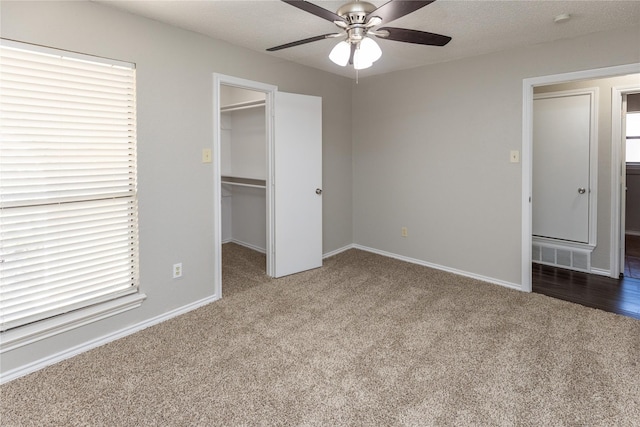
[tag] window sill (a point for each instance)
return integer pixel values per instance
(24, 335)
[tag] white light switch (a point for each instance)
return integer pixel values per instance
(206, 155)
(514, 157)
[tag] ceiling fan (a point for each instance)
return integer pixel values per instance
(357, 21)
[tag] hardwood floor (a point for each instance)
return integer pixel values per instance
(632, 256)
(617, 296)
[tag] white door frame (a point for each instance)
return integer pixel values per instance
(270, 92)
(527, 145)
(618, 177)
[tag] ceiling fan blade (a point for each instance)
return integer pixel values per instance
(398, 8)
(304, 41)
(315, 10)
(412, 36)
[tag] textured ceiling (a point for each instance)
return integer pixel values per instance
(477, 26)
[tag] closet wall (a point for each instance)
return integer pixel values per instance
(243, 158)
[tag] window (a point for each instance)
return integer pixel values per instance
(633, 138)
(68, 203)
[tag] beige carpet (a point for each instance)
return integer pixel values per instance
(365, 340)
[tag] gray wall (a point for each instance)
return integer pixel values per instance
(601, 254)
(431, 152)
(174, 92)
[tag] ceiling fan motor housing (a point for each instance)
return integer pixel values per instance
(356, 12)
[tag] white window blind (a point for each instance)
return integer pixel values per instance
(68, 204)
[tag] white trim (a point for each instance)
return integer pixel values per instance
(527, 184)
(261, 250)
(441, 267)
(269, 91)
(248, 245)
(337, 251)
(74, 351)
(600, 272)
(28, 334)
(618, 179)
(527, 125)
(632, 233)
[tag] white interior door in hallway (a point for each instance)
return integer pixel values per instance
(562, 153)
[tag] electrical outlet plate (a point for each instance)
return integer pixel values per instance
(514, 156)
(404, 232)
(177, 270)
(206, 155)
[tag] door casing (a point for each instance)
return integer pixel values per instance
(618, 165)
(270, 93)
(527, 137)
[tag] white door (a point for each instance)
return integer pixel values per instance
(298, 183)
(561, 164)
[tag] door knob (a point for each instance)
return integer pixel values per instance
(318, 191)
(581, 191)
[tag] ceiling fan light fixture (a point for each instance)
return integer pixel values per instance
(356, 20)
(340, 53)
(360, 60)
(369, 50)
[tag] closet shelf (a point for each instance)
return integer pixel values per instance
(243, 105)
(244, 182)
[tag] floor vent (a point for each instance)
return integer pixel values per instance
(559, 256)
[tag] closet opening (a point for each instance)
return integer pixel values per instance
(242, 171)
(243, 177)
(270, 217)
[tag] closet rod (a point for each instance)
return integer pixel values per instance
(243, 105)
(239, 184)
(243, 182)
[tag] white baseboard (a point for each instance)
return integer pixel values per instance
(261, 250)
(74, 351)
(441, 267)
(248, 245)
(600, 272)
(337, 251)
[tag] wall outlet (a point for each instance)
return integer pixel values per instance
(404, 232)
(177, 270)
